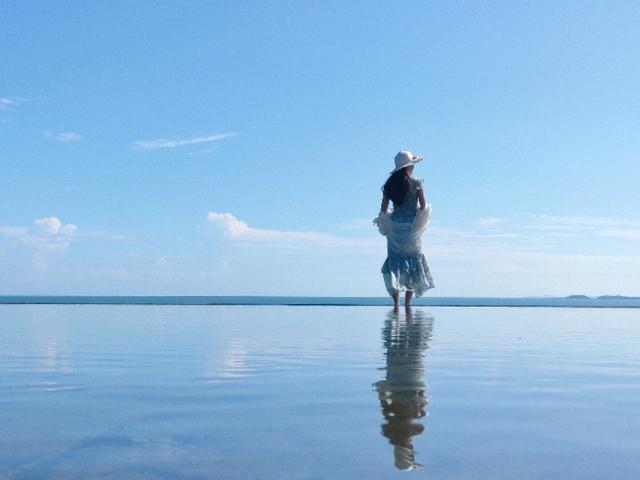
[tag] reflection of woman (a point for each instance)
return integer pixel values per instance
(402, 392)
(405, 268)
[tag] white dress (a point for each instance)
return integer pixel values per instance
(406, 267)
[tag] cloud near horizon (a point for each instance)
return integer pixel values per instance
(143, 145)
(47, 234)
(527, 248)
(237, 229)
(539, 234)
(50, 234)
(555, 226)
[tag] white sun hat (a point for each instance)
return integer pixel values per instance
(404, 158)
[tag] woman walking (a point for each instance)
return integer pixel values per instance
(405, 268)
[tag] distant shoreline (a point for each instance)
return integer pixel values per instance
(573, 301)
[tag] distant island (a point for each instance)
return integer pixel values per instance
(601, 297)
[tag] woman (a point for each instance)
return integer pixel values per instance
(405, 268)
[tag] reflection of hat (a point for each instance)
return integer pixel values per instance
(405, 458)
(404, 158)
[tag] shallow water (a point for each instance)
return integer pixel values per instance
(274, 392)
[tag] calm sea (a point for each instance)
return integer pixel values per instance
(334, 301)
(274, 392)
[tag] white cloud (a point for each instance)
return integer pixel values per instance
(7, 103)
(358, 224)
(53, 226)
(106, 235)
(450, 231)
(50, 234)
(13, 231)
(142, 145)
(537, 254)
(63, 137)
(47, 234)
(631, 234)
(46, 243)
(526, 233)
(498, 257)
(554, 228)
(487, 222)
(575, 223)
(117, 237)
(238, 230)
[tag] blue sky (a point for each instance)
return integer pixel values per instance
(239, 147)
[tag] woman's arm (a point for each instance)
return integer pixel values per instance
(421, 201)
(385, 203)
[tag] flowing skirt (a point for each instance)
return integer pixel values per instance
(406, 267)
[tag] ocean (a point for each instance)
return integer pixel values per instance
(208, 391)
(612, 302)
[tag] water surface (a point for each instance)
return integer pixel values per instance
(274, 392)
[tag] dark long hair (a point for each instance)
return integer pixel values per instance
(397, 186)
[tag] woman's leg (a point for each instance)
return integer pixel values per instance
(396, 298)
(408, 296)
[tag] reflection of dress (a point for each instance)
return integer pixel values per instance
(402, 392)
(406, 266)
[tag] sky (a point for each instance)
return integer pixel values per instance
(238, 148)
